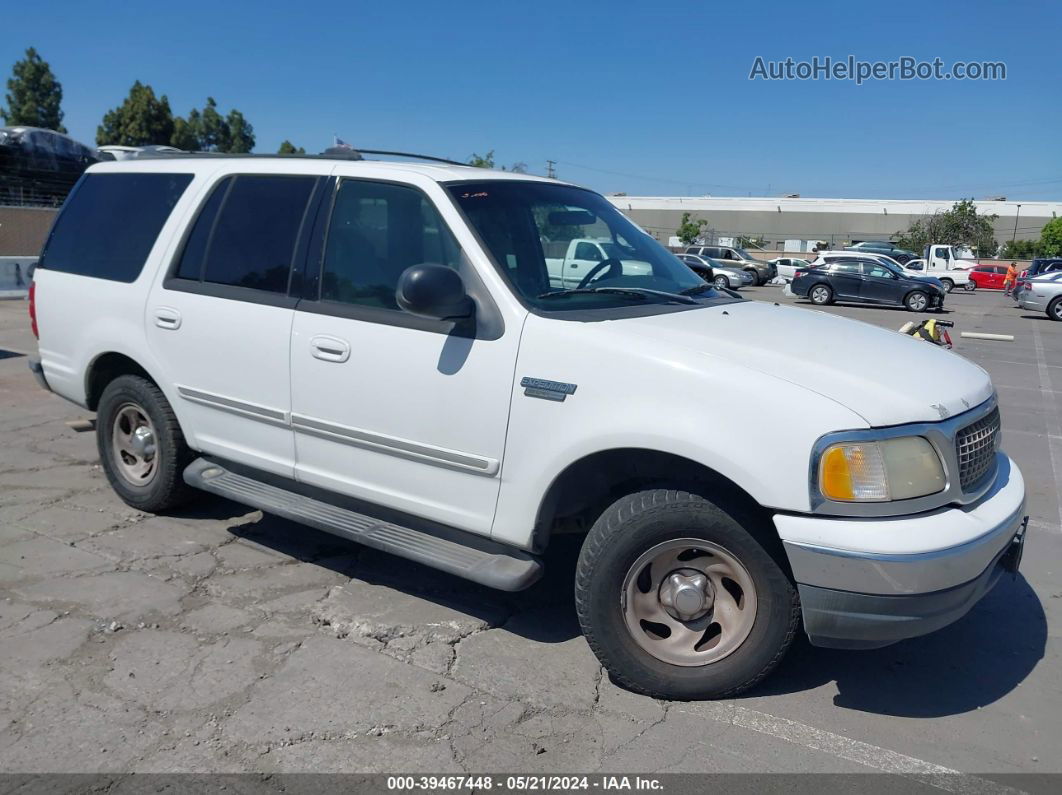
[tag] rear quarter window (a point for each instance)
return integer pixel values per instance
(110, 222)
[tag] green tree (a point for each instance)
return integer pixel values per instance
(959, 226)
(185, 134)
(141, 120)
(288, 148)
(1020, 249)
(482, 161)
(240, 134)
(207, 130)
(689, 231)
(1051, 238)
(34, 95)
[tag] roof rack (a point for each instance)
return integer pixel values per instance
(330, 154)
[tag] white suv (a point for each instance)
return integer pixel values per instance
(374, 349)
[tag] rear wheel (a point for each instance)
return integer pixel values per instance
(141, 446)
(722, 282)
(916, 301)
(1054, 309)
(949, 285)
(820, 294)
(970, 286)
(679, 601)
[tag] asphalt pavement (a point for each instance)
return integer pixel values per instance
(223, 640)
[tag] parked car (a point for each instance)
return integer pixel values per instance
(786, 267)
(867, 281)
(1043, 294)
(948, 282)
(364, 348)
(761, 271)
(1042, 265)
(988, 277)
(717, 273)
(901, 255)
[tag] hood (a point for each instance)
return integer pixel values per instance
(886, 377)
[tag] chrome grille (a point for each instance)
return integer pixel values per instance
(975, 448)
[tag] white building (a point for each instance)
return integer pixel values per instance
(835, 221)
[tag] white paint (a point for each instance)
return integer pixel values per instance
(1054, 426)
(842, 747)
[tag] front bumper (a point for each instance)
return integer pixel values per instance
(913, 575)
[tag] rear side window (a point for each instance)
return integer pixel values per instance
(110, 222)
(246, 233)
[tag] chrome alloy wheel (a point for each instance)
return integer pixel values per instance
(918, 302)
(688, 602)
(820, 295)
(133, 445)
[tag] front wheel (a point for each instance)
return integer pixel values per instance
(679, 601)
(970, 286)
(820, 295)
(722, 282)
(916, 301)
(1054, 309)
(949, 285)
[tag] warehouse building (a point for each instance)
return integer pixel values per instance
(836, 222)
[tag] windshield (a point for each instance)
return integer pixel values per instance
(742, 253)
(529, 229)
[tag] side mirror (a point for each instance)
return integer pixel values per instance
(433, 291)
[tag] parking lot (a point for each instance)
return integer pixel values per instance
(224, 640)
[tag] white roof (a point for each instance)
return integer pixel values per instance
(870, 206)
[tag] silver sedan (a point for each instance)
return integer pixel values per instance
(723, 276)
(1043, 294)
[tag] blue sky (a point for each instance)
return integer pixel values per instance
(643, 98)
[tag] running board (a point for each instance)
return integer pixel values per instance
(454, 551)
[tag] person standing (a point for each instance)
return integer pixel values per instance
(1010, 278)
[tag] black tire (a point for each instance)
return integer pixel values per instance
(166, 488)
(1054, 309)
(637, 523)
(914, 299)
(949, 285)
(722, 282)
(756, 281)
(820, 290)
(970, 286)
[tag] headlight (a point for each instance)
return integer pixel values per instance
(889, 469)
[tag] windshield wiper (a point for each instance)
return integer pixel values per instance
(640, 292)
(697, 289)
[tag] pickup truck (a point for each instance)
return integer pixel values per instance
(584, 257)
(950, 264)
(374, 350)
(949, 277)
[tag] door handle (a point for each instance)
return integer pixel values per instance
(168, 318)
(329, 349)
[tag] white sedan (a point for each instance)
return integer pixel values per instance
(787, 266)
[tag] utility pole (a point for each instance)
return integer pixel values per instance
(1015, 224)
(549, 169)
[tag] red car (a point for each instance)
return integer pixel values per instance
(988, 277)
